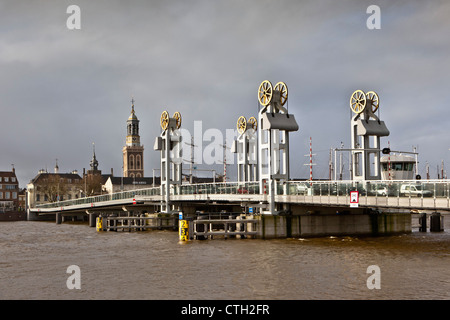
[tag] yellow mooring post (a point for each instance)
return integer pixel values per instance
(183, 228)
(99, 224)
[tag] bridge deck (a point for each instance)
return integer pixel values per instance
(431, 195)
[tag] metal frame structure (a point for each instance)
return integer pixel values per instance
(273, 140)
(169, 144)
(246, 148)
(366, 130)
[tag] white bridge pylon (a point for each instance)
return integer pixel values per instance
(366, 130)
(275, 123)
(246, 148)
(170, 147)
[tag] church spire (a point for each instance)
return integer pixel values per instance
(94, 162)
(133, 138)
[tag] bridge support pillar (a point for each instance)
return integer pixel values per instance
(423, 222)
(92, 219)
(436, 222)
(58, 217)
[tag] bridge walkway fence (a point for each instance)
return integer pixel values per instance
(396, 193)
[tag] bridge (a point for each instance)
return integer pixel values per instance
(366, 204)
(427, 195)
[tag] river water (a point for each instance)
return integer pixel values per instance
(34, 257)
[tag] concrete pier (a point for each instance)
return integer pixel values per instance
(317, 225)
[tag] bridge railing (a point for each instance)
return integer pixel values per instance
(382, 188)
(220, 188)
(103, 198)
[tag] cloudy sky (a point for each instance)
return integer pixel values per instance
(61, 90)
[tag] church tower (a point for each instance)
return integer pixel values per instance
(133, 152)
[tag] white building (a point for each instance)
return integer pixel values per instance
(398, 167)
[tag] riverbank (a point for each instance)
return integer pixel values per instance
(13, 216)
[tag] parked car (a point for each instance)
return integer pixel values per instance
(385, 191)
(382, 191)
(414, 190)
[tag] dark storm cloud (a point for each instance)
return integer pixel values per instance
(63, 89)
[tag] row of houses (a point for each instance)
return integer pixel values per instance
(51, 187)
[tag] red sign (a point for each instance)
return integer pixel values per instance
(134, 201)
(354, 199)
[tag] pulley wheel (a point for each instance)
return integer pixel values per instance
(373, 96)
(282, 88)
(164, 120)
(252, 123)
(241, 124)
(358, 101)
(177, 117)
(265, 92)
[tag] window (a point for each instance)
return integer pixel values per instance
(10, 187)
(38, 197)
(1, 195)
(14, 195)
(7, 195)
(6, 179)
(13, 179)
(138, 161)
(131, 161)
(0, 179)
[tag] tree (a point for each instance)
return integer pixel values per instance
(92, 183)
(53, 187)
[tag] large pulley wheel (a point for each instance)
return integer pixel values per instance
(282, 88)
(252, 123)
(164, 120)
(375, 100)
(358, 101)
(265, 93)
(241, 124)
(177, 117)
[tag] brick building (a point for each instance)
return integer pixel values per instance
(9, 191)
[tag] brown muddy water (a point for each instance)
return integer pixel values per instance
(34, 257)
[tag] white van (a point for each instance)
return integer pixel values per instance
(414, 190)
(300, 189)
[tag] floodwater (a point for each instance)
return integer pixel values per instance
(34, 257)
